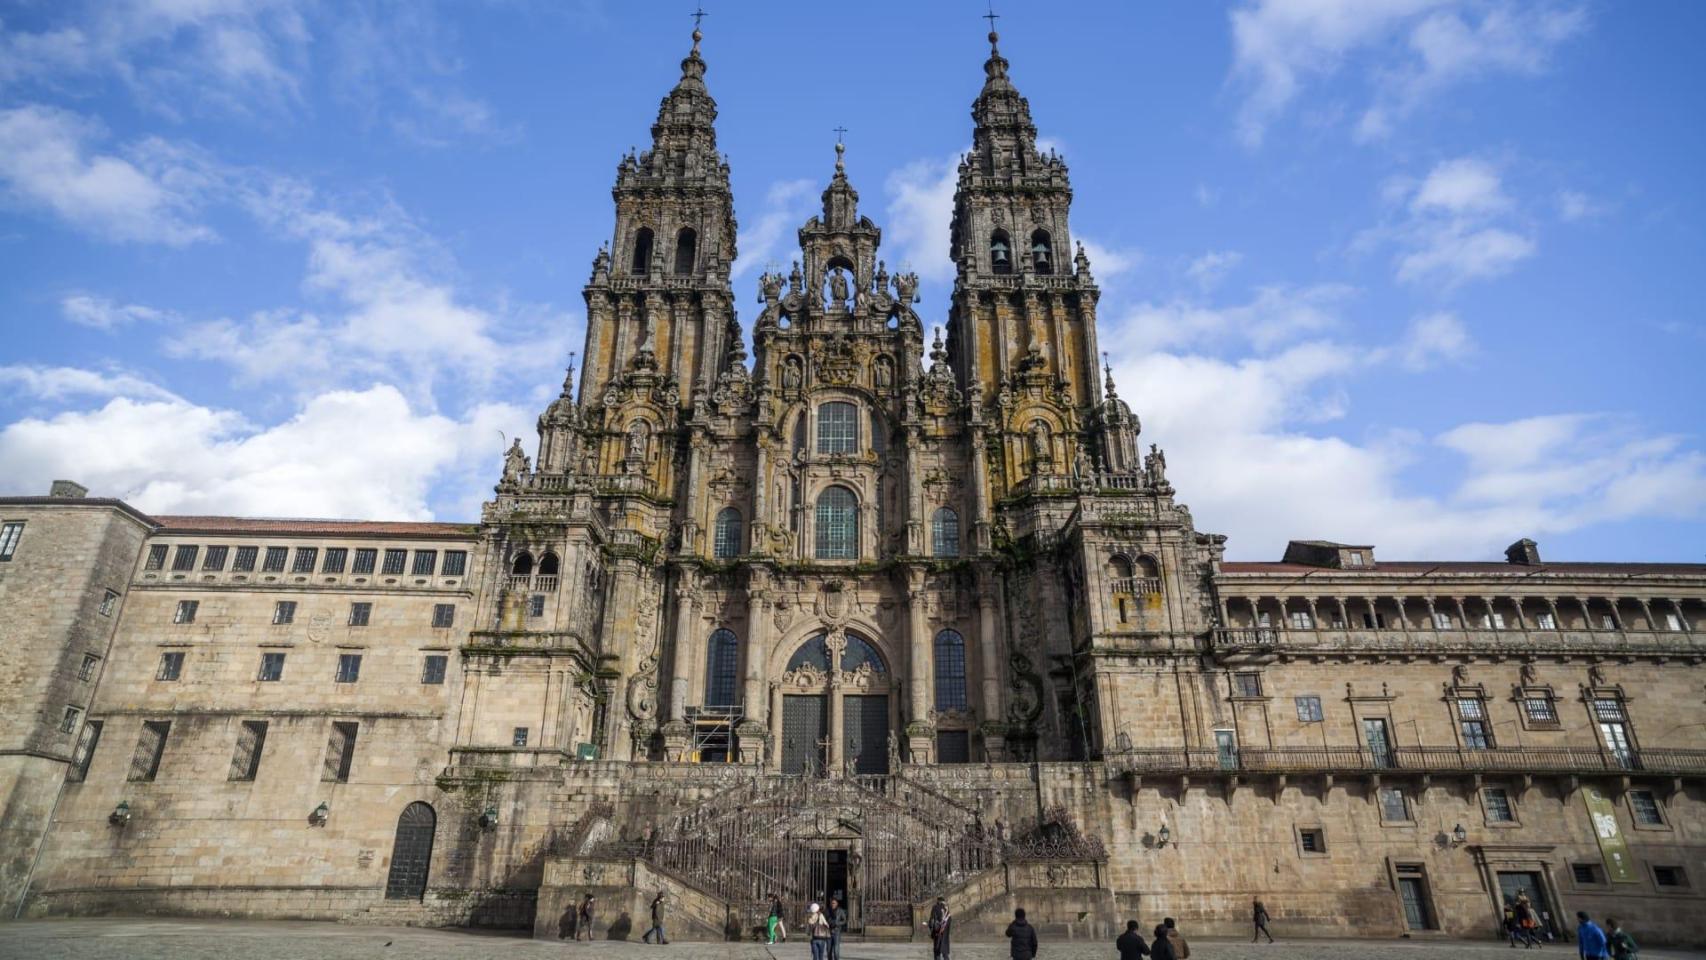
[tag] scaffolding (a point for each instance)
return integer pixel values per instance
(713, 731)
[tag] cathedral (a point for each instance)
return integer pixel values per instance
(865, 614)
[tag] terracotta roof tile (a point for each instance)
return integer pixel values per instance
(1417, 567)
(314, 528)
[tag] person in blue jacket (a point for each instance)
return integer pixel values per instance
(1590, 939)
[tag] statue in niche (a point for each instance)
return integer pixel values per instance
(883, 373)
(796, 284)
(1039, 440)
(838, 287)
(1081, 464)
(791, 374)
(637, 440)
(515, 463)
(882, 278)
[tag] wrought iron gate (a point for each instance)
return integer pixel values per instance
(411, 853)
(805, 724)
(865, 733)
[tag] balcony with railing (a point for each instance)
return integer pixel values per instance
(1581, 761)
(1245, 640)
(1134, 586)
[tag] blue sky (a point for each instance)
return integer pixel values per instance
(1418, 273)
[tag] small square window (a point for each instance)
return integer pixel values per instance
(171, 666)
(1470, 709)
(520, 737)
(1247, 684)
(444, 614)
(426, 561)
(1394, 806)
(1312, 840)
(272, 667)
(274, 562)
(1300, 620)
(394, 561)
(1644, 805)
(359, 613)
(1608, 709)
(1668, 876)
(184, 558)
(284, 611)
(86, 672)
(1356, 558)
(245, 560)
(1546, 621)
(365, 558)
(1493, 621)
(10, 534)
(1587, 874)
(186, 611)
(1308, 709)
(455, 563)
(68, 722)
(536, 605)
(109, 603)
(1541, 712)
(336, 557)
(1497, 802)
(246, 759)
(156, 557)
(306, 557)
(432, 671)
(1442, 620)
(349, 667)
(215, 561)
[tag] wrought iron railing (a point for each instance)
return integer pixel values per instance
(1417, 759)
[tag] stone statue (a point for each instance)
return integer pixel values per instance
(883, 374)
(894, 751)
(1039, 440)
(1156, 466)
(515, 463)
(906, 287)
(882, 278)
(770, 287)
(791, 375)
(637, 440)
(795, 283)
(838, 287)
(1081, 464)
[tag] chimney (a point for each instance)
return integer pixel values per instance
(1524, 551)
(68, 489)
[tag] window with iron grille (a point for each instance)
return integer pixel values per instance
(156, 557)
(837, 524)
(1312, 840)
(215, 560)
(109, 603)
(365, 558)
(184, 558)
(726, 544)
(1394, 806)
(86, 672)
(1541, 712)
(68, 721)
(186, 611)
(171, 665)
(950, 670)
(349, 667)
(10, 534)
(1667, 876)
(1308, 709)
(340, 752)
(85, 752)
(444, 614)
(432, 670)
(306, 557)
(145, 763)
(1477, 735)
(1644, 804)
(944, 533)
(455, 563)
(837, 428)
(519, 738)
(245, 560)
(426, 561)
(1608, 708)
(284, 611)
(1247, 684)
(359, 613)
(1587, 874)
(272, 667)
(274, 562)
(1497, 801)
(953, 746)
(336, 557)
(722, 669)
(246, 759)
(395, 560)
(536, 605)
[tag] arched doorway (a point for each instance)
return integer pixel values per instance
(411, 853)
(836, 707)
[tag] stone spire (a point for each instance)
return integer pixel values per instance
(1004, 138)
(840, 200)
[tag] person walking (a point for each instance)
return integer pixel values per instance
(1162, 949)
(583, 918)
(941, 930)
(1590, 939)
(1130, 944)
(774, 925)
(1181, 948)
(837, 926)
(817, 927)
(1259, 914)
(1021, 937)
(657, 921)
(1527, 925)
(1619, 942)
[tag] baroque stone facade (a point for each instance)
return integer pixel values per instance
(866, 613)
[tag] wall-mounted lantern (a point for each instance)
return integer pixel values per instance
(1163, 836)
(321, 812)
(489, 819)
(120, 815)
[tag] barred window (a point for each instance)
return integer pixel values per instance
(727, 542)
(944, 533)
(394, 561)
(215, 561)
(245, 560)
(837, 428)
(455, 562)
(426, 561)
(1644, 804)
(145, 763)
(86, 672)
(1308, 709)
(85, 752)
(274, 562)
(305, 559)
(171, 665)
(1312, 840)
(365, 557)
(186, 611)
(1540, 710)
(519, 737)
(950, 671)
(284, 611)
(536, 605)
(184, 558)
(340, 753)
(10, 534)
(156, 557)
(444, 614)
(360, 613)
(1497, 801)
(246, 759)
(722, 669)
(837, 524)
(68, 722)
(336, 557)
(1247, 684)
(108, 603)
(349, 667)
(1477, 735)
(1608, 708)
(272, 668)
(1394, 806)
(432, 670)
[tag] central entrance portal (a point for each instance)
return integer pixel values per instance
(835, 712)
(805, 731)
(865, 732)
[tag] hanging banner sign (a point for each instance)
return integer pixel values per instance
(1613, 848)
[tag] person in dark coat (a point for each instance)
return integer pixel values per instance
(657, 921)
(1130, 944)
(1162, 948)
(837, 915)
(1181, 948)
(941, 930)
(583, 918)
(1021, 937)
(1259, 914)
(1619, 942)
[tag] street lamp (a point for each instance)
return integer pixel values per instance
(489, 819)
(1163, 836)
(321, 812)
(1459, 836)
(120, 815)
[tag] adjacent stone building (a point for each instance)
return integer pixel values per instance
(865, 613)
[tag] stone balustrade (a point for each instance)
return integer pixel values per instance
(1566, 760)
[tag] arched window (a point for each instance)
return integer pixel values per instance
(837, 524)
(1147, 568)
(686, 246)
(950, 671)
(860, 652)
(1119, 568)
(837, 428)
(727, 541)
(813, 653)
(411, 853)
(1000, 253)
(1120, 572)
(944, 533)
(1042, 252)
(722, 669)
(642, 250)
(548, 565)
(522, 565)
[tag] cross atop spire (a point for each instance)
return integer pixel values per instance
(840, 133)
(699, 14)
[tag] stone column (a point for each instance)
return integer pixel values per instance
(754, 702)
(921, 671)
(1344, 614)
(690, 528)
(1314, 614)
(681, 665)
(1587, 613)
(837, 717)
(1433, 615)
(994, 743)
(1552, 606)
(1521, 621)
(914, 493)
(1647, 612)
(1681, 618)
(980, 538)
(760, 495)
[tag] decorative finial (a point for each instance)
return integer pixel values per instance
(699, 14)
(992, 16)
(840, 150)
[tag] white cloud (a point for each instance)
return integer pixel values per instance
(1461, 186)
(787, 204)
(1410, 50)
(1455, 225)
(1574, 205)
(1275, 316)
(1212, 267)
(920, 214)
(62, 383)
(1432, 339)
(151, 196)
(1106, 263)
(168, 455)
(103, 314)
